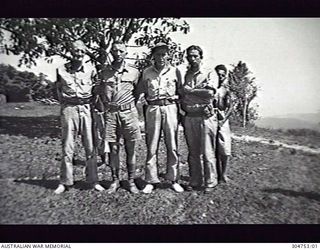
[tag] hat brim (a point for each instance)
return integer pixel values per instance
(154, 49)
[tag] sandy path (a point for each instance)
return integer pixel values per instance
(262, 140)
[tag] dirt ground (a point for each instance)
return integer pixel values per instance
(270, 184)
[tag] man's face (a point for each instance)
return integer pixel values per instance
(78, 51)
(194, 58)
(221, 75)
(160, 56)
(118, 52)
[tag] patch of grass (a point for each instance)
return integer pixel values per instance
(28, 109)
(269, 185)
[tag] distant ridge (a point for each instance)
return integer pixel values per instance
(291, 121)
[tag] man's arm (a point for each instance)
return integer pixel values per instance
(205, 92)
(59, 86)
(140, 88)
(179, 87)
(229, 108)
(206, 89)
(97, 92)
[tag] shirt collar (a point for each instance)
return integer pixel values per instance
(189, 71)
(122, 69)
(201, 68)
(163, 71)
(80, 69)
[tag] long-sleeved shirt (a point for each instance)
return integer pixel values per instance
(200, 80)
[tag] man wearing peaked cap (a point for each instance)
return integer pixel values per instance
(160, 83)
(159, 46)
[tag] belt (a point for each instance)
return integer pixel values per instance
(201, 111)
(162, 102)
(199, 114)
(194, 114)
(76, 101)
(114, 107)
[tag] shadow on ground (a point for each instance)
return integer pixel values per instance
(31, 126)
(53, 184)
(81, 185)
(309, 195)
(49, 184)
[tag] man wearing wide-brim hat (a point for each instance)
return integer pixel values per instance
(160, 83)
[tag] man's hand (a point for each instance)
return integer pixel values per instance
(220, 123)
(98, 112)
(187, 89)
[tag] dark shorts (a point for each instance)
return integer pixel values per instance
(123, 124)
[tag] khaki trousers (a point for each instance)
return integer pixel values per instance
(76, 119)
(99, 131)
(158, 119)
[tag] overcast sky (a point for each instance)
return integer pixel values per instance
(282, 53)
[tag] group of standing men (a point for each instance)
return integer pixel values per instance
(172, 95)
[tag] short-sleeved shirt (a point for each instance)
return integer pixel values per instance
(159, 85)
(118, 85)
(75, 85)
(198, 80)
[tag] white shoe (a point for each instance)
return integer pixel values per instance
(177, 187)
(60, 189)
(98, 187)
(147, 189)
(113, 187)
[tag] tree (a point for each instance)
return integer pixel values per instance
(33, 38)
(244, 89)
(22, 86)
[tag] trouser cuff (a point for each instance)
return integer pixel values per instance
(131, 171)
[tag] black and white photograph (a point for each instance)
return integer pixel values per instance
(159, 121)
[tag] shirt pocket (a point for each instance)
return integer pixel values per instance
(171, 86)
(153, 87)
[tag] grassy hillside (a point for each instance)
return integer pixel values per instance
(270, 185)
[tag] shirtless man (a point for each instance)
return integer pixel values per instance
(224, 107)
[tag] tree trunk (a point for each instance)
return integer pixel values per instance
(244, 113)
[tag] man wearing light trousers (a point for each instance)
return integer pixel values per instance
(160, 83)
(74, 88)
